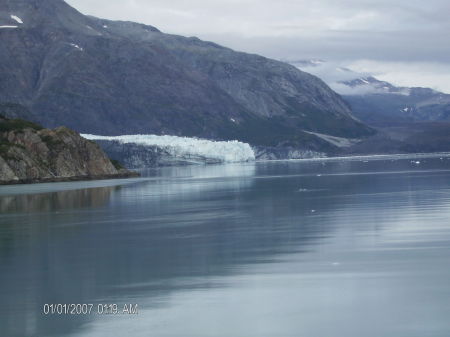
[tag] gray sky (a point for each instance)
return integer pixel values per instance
(403, 41)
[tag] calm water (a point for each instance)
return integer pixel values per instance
(302, 249)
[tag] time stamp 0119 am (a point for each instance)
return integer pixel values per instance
(90, 309)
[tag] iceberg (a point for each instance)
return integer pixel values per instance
(184, 147)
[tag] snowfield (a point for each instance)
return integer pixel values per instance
(184, 147)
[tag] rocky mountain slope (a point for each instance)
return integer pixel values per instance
(106, 77)
(30, 153)
(400, 105)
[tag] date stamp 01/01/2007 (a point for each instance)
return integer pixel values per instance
(90, 309)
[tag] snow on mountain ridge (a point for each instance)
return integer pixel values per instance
(16, 18)
(182, 147)
(348, 82)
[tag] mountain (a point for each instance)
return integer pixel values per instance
(399, 104)
(407, 120)
(111, 78)
(381, 103)
(30, 153)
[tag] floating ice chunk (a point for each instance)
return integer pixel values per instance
(16, 18)
(9, 26)
(336, 264)
(184, 147)
(313, 211)
(105, 26)
(76, 46)
(233, 120)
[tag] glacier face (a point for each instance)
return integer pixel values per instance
(184, 147)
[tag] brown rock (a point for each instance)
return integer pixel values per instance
(31, 154)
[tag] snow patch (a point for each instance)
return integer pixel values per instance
(9, 26)
(90, 28)
(338, 141)
(16, 18)
(182, 147)
(105, 26)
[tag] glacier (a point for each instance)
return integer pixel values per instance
(185, 147)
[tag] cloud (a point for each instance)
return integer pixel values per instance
(354, 91)
(334, 73)
(400, 74)
(421, 74)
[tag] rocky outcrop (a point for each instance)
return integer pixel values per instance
(30, 153)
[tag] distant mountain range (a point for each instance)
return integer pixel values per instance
(407, 119)
(110, 78)
(379, 102)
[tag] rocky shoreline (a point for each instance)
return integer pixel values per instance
(30, 153)
(125, 175)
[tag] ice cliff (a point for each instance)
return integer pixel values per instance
(187, 149)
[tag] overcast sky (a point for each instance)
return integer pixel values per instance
(404, 41)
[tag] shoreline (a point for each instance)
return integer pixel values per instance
(368, 156)
(130, 174)
(136, 174)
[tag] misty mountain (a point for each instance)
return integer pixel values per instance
(398, 104)
(109, 77)
(379, 102)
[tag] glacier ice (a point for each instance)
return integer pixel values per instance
(182, 147)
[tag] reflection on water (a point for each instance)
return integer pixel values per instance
(48, 202)
(266, 249)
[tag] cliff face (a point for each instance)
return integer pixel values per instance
(29, 153)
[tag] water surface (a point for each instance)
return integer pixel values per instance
(343, 248)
